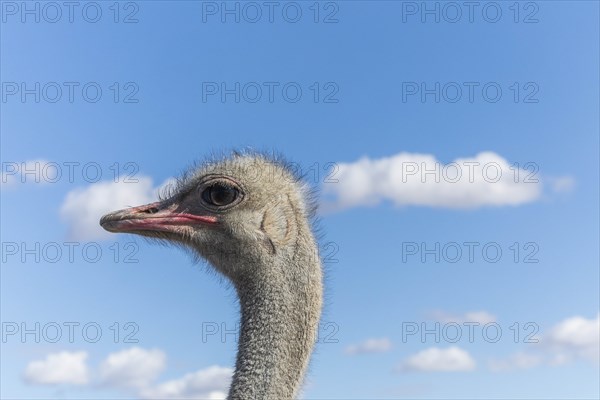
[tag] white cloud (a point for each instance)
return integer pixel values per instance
(133, 371)
(210, 383)
(520, 360)
(481, 317)
(434, 359)
(83, 207)
(132, 368)
(562, 184)
(404, 179)
(59, 368)
(370, 346)
(574, 338)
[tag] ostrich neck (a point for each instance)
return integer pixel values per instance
(279, 321)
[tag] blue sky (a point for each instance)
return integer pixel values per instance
(367, 123)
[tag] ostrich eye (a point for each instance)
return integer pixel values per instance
(219, 194)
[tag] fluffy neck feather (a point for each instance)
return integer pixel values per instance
(280, 310)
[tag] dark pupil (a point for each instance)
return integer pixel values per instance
(220, 195)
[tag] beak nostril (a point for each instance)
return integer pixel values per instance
(151, 210)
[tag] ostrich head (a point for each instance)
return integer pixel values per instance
(249, 217)
(242, 208)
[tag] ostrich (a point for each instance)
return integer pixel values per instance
(250, 217)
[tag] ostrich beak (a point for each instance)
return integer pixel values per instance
(152, 217)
